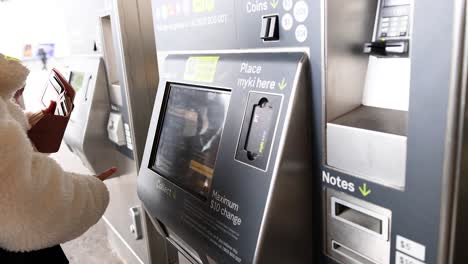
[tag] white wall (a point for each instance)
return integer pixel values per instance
(70, 24)
(82, 21)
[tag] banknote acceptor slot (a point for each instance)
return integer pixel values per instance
(257, 129)
(357, 231)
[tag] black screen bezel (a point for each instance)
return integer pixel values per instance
(162, 117)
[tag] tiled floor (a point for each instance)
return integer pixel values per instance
(91, 248)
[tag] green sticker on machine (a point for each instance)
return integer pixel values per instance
(201, 68)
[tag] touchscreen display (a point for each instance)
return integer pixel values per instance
(76, 80)
(190, 135)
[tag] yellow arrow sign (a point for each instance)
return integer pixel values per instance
(282, 84)
(274, 3)
(364, 191)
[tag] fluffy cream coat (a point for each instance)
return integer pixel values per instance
(40, 204)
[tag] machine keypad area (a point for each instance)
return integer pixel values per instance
(394, 22)
(396, 26)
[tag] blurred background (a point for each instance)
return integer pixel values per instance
(43, 34)
(48, 31)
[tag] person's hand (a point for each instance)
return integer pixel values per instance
(69, 91)
(34, 118)
(18, 96)
(106, 174)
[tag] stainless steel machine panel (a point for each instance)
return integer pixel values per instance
(86, 130)
(223, 155)
(386, 115)
(131, 64)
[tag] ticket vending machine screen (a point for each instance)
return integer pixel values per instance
(77, 80)
(188, 139)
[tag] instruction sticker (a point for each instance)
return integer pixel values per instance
(410, 247)
(401, 258)
(201, 68)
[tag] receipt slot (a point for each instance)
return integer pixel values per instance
(222, 161)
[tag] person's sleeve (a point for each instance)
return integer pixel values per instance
(40, 204)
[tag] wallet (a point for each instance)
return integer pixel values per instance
(48, 132)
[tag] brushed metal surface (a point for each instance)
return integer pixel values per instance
(376, 119)
(86, 132)
(140, 68)
(132, 64)
(359, 110)
(369, 246)
(286, 235)
(375, 156)
(454, 229)
(348, 25)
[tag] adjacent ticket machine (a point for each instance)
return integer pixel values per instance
(85, 132)
(115, 94)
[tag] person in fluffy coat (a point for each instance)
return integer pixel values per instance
(41, 206)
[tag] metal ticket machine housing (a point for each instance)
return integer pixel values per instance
(131, 65)
(224, 159)
(227, 172)
(86, 130)
(380, 85)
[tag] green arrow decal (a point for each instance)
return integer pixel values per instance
(364, 191)
(274, 3)
(282, 84)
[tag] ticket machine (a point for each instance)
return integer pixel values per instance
(308, 131)
(224, 156)
(85, 131)
(228, 169)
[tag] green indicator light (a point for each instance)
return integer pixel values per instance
(262, 146)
